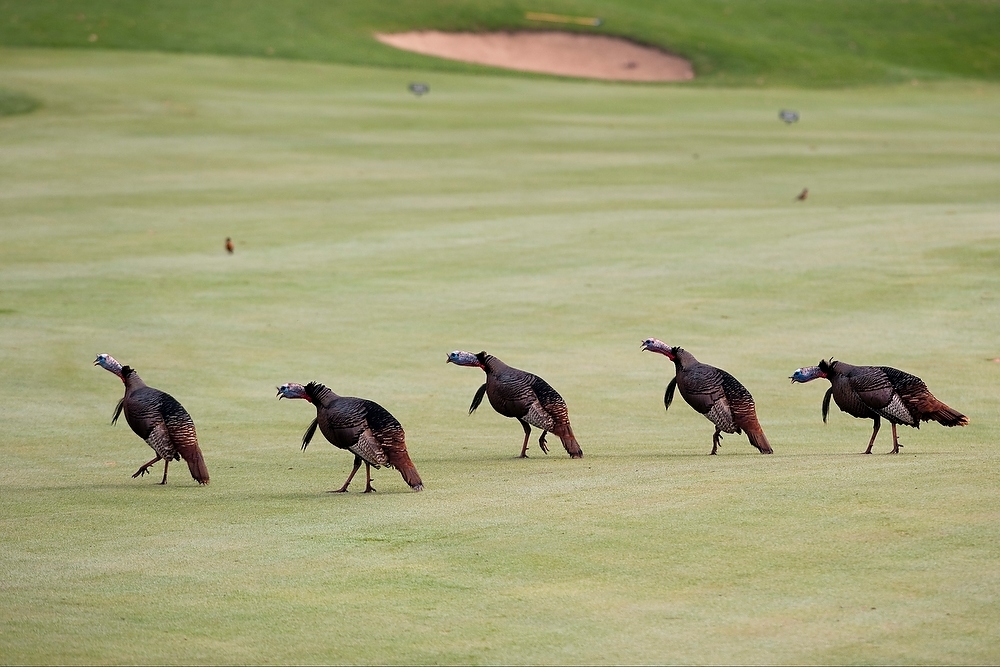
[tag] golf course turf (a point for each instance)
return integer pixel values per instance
(554, 224)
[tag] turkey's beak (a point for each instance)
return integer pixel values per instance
(279, 394)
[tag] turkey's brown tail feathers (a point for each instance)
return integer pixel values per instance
(196, 463)
(401, 461)
(759, 440)
(942, 414)
(565, 433)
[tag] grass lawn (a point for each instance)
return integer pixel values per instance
(730, 42)
(555, 224)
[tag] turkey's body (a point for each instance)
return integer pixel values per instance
(882, 392)
(530, 400)
(365, 429)
(157, 417)
(720, 397)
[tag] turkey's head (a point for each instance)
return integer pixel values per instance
(657, 345)
(461, 358)
(293, 390)
(807, 374)
(109, 363)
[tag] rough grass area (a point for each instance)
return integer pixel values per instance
(556, 225)
(731, 42)
(13, 103)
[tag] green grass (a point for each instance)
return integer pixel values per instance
(731, 42)
(555, 224)
(13, 103)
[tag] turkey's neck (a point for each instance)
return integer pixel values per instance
(133, 382)
(493, 365)
(323, 396)
(683, 358)
(836, 369)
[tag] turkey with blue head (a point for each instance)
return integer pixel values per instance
(157, 417)
(879, 392)
(360, 426)
(714, 393)
(522, 396)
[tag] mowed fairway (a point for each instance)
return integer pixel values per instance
(554, 224)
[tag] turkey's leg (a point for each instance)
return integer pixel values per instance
(527, 431)
(343, 489)
(368, 478)
(895, 440)
(541, 442)
(716, 441)
(144, 468)
(878, 422)
(166, 464)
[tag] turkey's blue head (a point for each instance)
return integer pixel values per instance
(109, 363)
(657, 345)
(807, 374)
(461, 358)
(292, 390)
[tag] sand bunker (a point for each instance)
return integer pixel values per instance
(562, 53)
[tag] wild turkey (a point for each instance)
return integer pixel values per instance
(527, 398)
(360, 426)
(877, 392)
(714, 393)
(159, 419)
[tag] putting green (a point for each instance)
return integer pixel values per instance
(555, 224)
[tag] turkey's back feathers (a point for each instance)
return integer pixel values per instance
(524, 396)
(882, 391)
(719, 396)
(160, 420)
(920, 403)
(550, 401)
(362, 427)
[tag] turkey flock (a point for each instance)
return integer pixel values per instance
(376, 438)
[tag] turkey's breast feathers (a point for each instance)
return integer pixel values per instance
(510, 391)
(523, 395)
